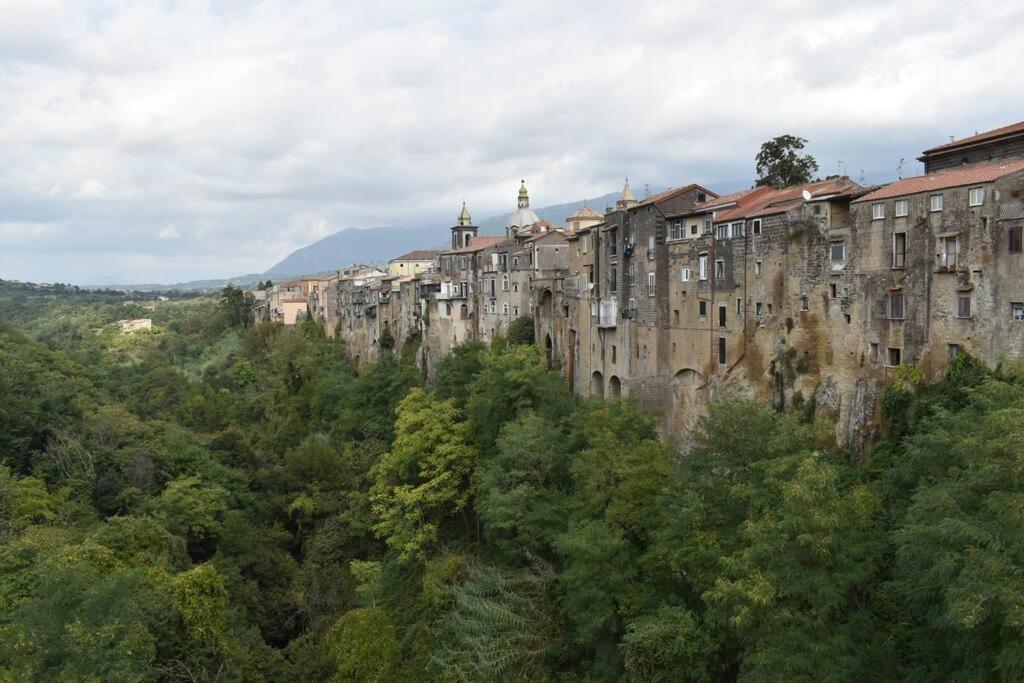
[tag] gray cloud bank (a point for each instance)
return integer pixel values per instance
(171, 141)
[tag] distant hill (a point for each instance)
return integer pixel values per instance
(373, 245)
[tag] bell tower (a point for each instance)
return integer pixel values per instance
(463, 231)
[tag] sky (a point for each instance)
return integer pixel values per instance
(169, 141)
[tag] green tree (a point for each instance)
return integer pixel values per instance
(235, 305)
(422, 483)
(364, 645)
(520, 331)
(779, 163)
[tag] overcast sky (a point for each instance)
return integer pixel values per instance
(177, 140)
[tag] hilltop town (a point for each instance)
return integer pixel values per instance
(814, 295)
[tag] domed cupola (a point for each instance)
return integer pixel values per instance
(523, 217)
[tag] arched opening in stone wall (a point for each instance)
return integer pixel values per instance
(597, 384)
(548, 348)
(614, 387)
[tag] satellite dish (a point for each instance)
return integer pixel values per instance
(806, 195)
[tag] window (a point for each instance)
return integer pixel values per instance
(963, 305)
(1017, 310)
(632, 305)
(504, 309)
(899, 250)
(935, 203)
(757, 268)
(832, 293)
(721, 350)
(707, 225)
(515, 310)
(894, 357)
(613, 280)
(504, 282)
(896, 305)
(612, 245)
(1013, 241)
(722, 314)
(632, 275)
(838, 253)
(953, 350)
(693, 230)
(877, 211)
(702, 267)
(738, 229)
(676, 231)
(675, 316)
(702, 197)
(583, 243)
(650, 248)
(720, 269)
(755, 226)
(722, 231)
(873, 352)
(614, 351)
(757, 310)
(948, 257)
(976, 196)
(684, 274)
(902, 208)
(702, 309)
(805, 303)
(650, 284)
(739, 306)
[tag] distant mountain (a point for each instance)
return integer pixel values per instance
(373, 245)
(354, 245)
(190, 286)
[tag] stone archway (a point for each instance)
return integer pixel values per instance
(597, 384)
(614, 387)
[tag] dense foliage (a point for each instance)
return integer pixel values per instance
(209, 501)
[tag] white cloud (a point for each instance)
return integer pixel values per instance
(256, 128)
(168, 232)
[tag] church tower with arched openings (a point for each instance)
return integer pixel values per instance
(463, 231)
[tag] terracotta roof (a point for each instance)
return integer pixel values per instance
(585, 212)
(418, 255)
(768, 201)
(732, 198)
(476, 244)
(1012, 129)
(541, 235)
(672, 192)
(955, 177)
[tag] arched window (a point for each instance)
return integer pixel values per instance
(504, 309)
(504, 282)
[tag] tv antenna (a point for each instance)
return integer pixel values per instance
(899, 168)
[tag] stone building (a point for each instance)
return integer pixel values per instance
(811, 295)
(413, 262)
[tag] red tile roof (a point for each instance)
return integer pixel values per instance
(1012, 129)
(418, 255)
(476, 244)
(955, 177)
(768, 201)
(672, 192)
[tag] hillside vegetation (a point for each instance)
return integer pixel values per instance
(205, 501)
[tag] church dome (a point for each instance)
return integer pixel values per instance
(522, 218)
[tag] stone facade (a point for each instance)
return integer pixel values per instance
(811, 295)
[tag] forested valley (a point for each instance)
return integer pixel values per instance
(215, 501)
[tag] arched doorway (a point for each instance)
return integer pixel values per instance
(597, 384)
(614, 387)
